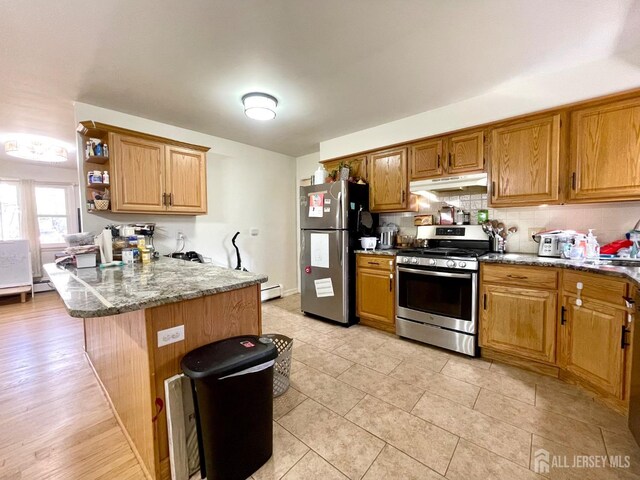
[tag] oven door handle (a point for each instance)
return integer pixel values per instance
(432, 273)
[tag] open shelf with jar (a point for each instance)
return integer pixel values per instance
(96, 168)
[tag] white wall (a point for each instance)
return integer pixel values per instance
(248, 187)
(305, 166)
(517, 97)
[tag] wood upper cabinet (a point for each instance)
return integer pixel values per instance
(605, 152)
(375, 291)
(186, 180)
(153, 177)
(425, 159)
(465, 153)
(358, 166)
(525, 162)
(519, 311)
(591, 334)
(388, 180)
(137, 179)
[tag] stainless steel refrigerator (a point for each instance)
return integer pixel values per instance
(330, 226)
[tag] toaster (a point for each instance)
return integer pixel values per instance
(552, 243)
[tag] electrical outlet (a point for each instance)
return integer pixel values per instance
(533, 231)
(254, 232)
(170, 335)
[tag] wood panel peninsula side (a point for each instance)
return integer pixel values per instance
(124, 308)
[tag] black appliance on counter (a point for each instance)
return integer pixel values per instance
(437, 287)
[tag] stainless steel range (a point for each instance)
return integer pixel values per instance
(437, 287)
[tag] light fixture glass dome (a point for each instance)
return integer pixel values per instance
(259, 106)
(40, 149)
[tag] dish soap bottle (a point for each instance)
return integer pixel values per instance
(593, 248)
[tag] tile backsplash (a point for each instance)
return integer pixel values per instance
(609, 221)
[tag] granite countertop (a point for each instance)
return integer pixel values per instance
(628, 269)
(95, 292)
(389, 251)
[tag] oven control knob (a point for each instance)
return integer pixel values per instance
(406, 259)
(414, 260)
(451, 263)
(432, 261)
(462, 264)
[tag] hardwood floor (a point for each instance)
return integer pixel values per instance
(55, 422)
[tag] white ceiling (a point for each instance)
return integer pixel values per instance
(336, 66)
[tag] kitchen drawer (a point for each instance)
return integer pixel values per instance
(382, 262)
(595, 286)
(522, 276)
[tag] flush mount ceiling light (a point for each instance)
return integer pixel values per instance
(40, 149)
(260, 106)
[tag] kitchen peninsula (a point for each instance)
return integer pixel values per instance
(127, 311)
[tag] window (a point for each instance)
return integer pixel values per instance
(9, 211)
(52, 205)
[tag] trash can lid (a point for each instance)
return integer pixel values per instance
(225, 357)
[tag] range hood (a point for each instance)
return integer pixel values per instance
(473, 182)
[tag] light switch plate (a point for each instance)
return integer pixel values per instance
(170, 335)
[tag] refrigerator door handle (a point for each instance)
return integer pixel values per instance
(340, 246)
(339, 216)
(302, 247)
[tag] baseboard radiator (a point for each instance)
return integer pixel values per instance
(271, 292)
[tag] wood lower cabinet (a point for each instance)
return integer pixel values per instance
(593, 334)
(605, 152)
(425, 159)
(375, 291)
(389, 181)
(465, 153)
(519, 320)
(137, 179)
(525, 162)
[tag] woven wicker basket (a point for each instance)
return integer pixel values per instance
(282, 367)
(101, 204)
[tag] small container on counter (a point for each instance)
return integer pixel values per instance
(105, 177)
(127, 255)
(483, 216)
(145, 254)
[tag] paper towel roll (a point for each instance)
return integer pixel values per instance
(107, 240)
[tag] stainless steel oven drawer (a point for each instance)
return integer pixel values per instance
(440, 337)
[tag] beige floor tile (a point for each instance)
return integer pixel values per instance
(581, 408)
(477, 362)
(332, 393)
(499, 437)
(392, 463)
(511, 387)
(471, 462)
(363, 335)
(296, 365)
(287, 402)
(324, 341)
(567, 431)
(313, 466)
(322, 360)
(287, 450)
(386, 388)
(429, 357)
(346, 446)
(622, 443)
(416, 374)
(421, 440)
(363, 355)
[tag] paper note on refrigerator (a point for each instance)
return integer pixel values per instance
(315, 204)
(320, 250)
(324, 287)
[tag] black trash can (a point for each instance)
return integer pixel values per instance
(232, 384)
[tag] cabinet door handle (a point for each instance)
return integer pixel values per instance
(164, 199)
(623, 337)
(493, 189)
(573, 181)
(391, 282)
(438, 161)
(404, 194)
(484, 300)
(449, 162)
(629, 302)
(171, 199)
(563, 312)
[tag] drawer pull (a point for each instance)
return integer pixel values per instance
(517, 277)
(391, 282)
(563, 318)
(485, 301)
(623, 338)
(373, 263)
